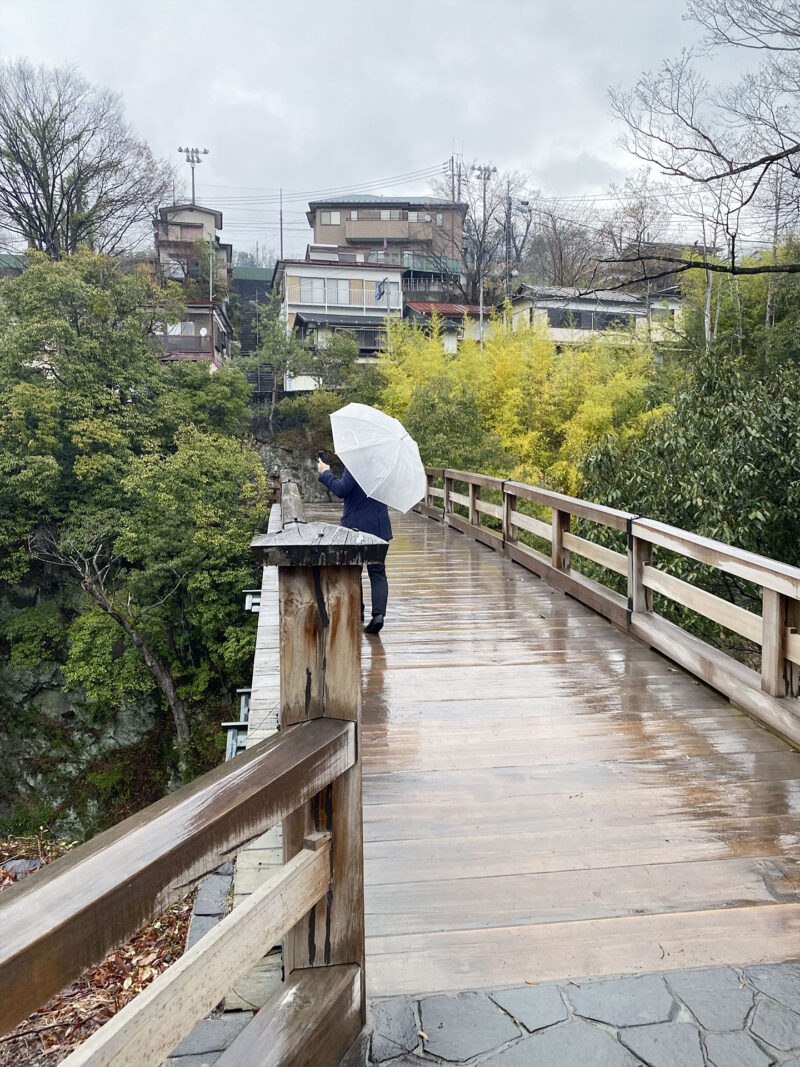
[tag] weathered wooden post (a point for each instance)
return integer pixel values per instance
(560, 556)
(474, 497)
(640, 555)
(510, 531)
(319, 587)
(780, 615)
(447, 503)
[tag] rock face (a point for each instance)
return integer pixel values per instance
(303, 466)
(53, 737)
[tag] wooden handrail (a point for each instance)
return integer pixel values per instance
(768, 696)
(80, 906)
(68, 916)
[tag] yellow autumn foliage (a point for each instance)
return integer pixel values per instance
(519, 407)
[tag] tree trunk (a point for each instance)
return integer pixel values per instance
(161, 675)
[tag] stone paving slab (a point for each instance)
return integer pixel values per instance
(714, 1017)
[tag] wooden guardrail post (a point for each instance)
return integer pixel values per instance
(319, 583)
(510, 532)
(560, 556)
(640, 555)
(780, 676)
(474, 497)
(447, 503)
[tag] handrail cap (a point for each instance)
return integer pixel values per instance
(318, 544)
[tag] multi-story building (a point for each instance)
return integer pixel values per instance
(332, 291)
(423, 235)
(571, 314)
(189, 251)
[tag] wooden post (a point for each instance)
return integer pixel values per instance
(510, 532)
(560, 556)
(773, 650)
(474, 496)
(446, 503)
(319, 585)
(792, 669)
(428, 493)
(640, 554)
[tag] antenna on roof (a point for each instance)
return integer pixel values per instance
(193, 158)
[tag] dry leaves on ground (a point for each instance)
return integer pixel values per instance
(50, 1034)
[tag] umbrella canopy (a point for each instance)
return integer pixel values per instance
(380, 455)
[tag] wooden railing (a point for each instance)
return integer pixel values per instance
(769, 696)
(68, 916)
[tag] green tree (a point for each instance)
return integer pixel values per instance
(132, 476)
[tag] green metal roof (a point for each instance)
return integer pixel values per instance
(12, 260)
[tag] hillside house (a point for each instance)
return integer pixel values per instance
(571, 314)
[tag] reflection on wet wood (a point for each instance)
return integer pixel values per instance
(546, 798)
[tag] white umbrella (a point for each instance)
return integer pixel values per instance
(380, 455)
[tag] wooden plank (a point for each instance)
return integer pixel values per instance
(606, 557)
(532, 525)
(150, 1026)
(487, 508)
(459, 498)
(292, 507)
(617, 520)
(433, 491)
(704, 603)
(425, 963)
(471, 478)
(67, 917)
(570, 896)
(313, 1019)
(741, 684)
(779, 577)
(588, 591)
(429, 512)
(792, 641)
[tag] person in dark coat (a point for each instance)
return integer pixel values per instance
(363, 513)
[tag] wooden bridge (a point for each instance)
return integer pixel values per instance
(555, 781)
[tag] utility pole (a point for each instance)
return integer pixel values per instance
(484, 173)
(193, 158)
(281, 222)
(508, 239)
(210, 267)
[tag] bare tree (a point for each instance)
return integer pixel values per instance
(72, 170)
(736, 145)
(563, 243)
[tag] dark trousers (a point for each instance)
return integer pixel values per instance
(379, 588)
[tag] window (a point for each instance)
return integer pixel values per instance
(568, 319)
(612, 320)
(354, 215)
(390, 214)
(439, 218)
(338, 291)
(312, 290)
(418, 216)
(330, 218)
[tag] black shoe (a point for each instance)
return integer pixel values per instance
(375, 625)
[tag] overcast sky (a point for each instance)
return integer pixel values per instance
(312, 95)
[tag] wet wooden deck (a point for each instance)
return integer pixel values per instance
(545, 797)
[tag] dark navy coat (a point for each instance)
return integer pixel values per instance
(361, 512)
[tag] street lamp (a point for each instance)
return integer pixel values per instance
(193, 158)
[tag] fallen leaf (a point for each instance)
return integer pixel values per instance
(422, 1034)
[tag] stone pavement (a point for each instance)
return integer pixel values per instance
(717, 1017)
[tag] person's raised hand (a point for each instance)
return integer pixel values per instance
(322, 467)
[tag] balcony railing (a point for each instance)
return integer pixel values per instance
(322, 295)
(186, 343)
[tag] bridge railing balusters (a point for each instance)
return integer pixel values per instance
(769, 694)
